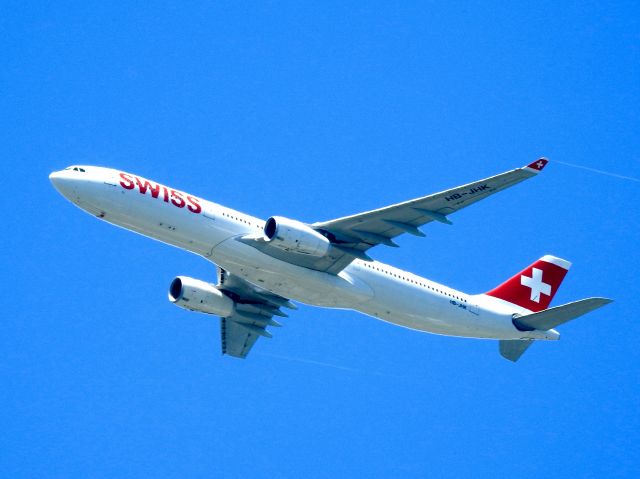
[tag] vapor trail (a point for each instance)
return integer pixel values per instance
(320, 363)
(607, 173)
(310, 361)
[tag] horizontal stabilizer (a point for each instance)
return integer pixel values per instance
(552, 317)
(513, 349)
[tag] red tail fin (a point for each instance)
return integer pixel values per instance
(535, 286)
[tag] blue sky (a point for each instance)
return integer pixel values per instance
(315, 111)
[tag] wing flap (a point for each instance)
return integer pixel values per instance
(236, 340)
(254, 311)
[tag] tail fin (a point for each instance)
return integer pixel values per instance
(535, 286)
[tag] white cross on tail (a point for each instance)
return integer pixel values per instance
(536, 284)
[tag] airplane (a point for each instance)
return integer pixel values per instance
(264, 266)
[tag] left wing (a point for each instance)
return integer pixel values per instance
(254, 311)
(358, 233)
(350, 237)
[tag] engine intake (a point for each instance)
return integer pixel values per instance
(291, 235)
(195, 295)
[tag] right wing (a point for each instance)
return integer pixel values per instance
(254, 311)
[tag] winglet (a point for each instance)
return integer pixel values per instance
(538, 165)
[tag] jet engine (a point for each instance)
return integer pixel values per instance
(196, 295)
(291, 235)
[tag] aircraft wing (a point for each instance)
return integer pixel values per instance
(352, 236)
(254, 311)
(357, 233)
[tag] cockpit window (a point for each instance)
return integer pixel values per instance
(75, 168)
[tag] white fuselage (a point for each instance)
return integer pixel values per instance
(211, 230)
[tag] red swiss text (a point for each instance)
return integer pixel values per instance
(156, 190)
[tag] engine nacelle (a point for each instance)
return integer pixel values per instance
(196, 295)
(291, 235)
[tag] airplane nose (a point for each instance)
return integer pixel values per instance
(62, 183)
(56, 179)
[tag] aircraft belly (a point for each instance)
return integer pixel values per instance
(288, 280)
(413, 307)
(432, 319)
